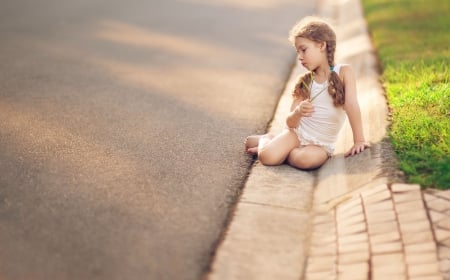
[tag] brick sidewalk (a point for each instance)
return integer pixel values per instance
(396, 232)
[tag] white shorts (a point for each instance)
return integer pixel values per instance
(306, 140)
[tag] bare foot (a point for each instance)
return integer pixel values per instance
(252, 151)
(252, 142)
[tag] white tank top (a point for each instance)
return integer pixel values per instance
(323, 126)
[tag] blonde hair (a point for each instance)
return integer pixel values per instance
(317, 30)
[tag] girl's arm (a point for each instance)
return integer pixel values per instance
(353, 111)
(299, 108)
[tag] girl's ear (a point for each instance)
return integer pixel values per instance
(323, 46)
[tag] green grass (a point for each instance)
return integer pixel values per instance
(412, 38)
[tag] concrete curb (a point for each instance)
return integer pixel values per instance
(286, 225)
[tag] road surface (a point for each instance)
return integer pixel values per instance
(121, 129)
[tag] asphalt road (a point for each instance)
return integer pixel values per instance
(121, 130)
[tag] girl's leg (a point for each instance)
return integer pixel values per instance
(274, 150)
(252, 142)
(308, 157)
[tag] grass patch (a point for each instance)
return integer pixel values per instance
(413, 43)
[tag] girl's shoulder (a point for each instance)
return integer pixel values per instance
(343, 70)
(338, 68)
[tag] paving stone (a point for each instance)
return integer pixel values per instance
(437, 216)
(374, 190)
(348, 221)
(344, 276)
(443, 194)
(359, 237)
(382, 228)
(397, 268)
(439, 205)
(409, 206)
(420, 248)
(444, 224)
(388, 258)
(415, 226)
(381, 276)
(372, 210)
(381, 216)
(320, 275)
(354, 257)
(349, 205)
(417, 237)
(324, 239)
(429, 197)
(350, 230)
(385, 238)
(326, 261)
(428, 269)
(421, 258)
(444, 265)
(445, 242)
(355, 247)
(355, 210)
(407, 196)
(444, 252)
(404, 187)
(387, 248)
(441, 234)
(323, 250)
(416, 215)
(385, 205)
(353, 271)
(432, 277)
(376, 198)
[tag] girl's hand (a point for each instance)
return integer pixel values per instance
(305, 108)
(357, 148)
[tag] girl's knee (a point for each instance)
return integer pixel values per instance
(300, 162)
(306, 160)
(268, 158)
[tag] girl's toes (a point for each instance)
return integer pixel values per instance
(252, 151)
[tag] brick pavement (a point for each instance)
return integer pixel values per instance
(438, 206)
(382, 232)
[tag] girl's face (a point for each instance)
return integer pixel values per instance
(311, 54)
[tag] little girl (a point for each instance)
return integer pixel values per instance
(321, 99)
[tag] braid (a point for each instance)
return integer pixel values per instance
(302, 88)
(335, 85)
(331, 47)
(336, 89)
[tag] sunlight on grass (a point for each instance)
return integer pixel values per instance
(413, 47)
